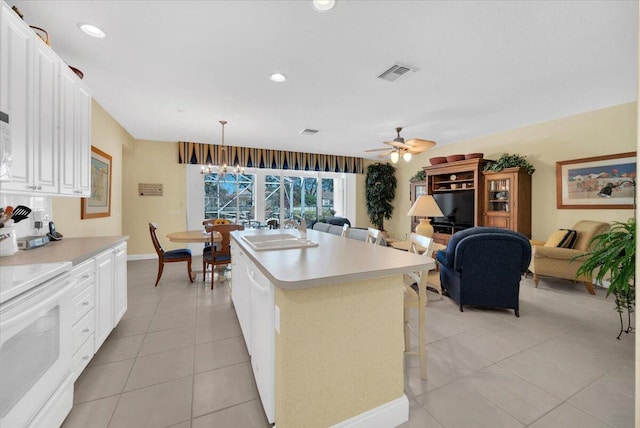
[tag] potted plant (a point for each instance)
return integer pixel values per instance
(613, 256)
(380, 191)
(420, 176)
(510, 161)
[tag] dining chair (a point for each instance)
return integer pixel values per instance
(289, 224)
(374, 236)
(272, 223)
(171, 256)
(218, 254)
(345, 230)
(415, 296)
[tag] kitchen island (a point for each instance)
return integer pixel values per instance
(324, 327)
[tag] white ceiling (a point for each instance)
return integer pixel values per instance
(483, 67)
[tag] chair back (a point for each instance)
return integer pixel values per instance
(224, 247)
(216, 221)
(272, 223)
(289, 224)
(345, 230)
(586, 230)
(374, 236)
(418, 242)
(154, 239)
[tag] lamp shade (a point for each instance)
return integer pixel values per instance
(425, 206)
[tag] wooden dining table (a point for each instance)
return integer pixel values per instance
(193, 236)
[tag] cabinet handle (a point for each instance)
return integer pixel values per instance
(85, 276)
(85, 303)
(86, 330)
(32, 187)
(77, 191)
(86, 357)
(39, 187)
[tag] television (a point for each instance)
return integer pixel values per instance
(457, 207)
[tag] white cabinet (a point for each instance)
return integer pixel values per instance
(120, 282)
(263, 339)
(49, 112)
(241, 291)
(83, 300)
(16, 99)
(111, 291)
(104, 296)
(75, 135)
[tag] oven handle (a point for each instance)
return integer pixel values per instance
(61, 288)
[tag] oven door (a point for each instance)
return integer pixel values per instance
(35, 350)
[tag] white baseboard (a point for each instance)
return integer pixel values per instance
(134, 257)
(391, 414)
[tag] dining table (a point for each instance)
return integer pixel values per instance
(194, 237)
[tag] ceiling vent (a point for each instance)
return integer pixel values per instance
(395, 72)
(307, 131)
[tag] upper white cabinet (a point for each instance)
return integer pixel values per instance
(49, 112)
(75, 135)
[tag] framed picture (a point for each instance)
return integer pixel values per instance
(99, 203)
(598, 182)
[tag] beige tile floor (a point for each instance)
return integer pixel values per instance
(177, 359)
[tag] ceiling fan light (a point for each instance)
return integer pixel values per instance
(406, 156)
(395, 156)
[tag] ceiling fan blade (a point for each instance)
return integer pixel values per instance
(397, 144)
(376, 150)
(419, 143)
(385, 154)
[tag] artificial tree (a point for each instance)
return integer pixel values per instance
(380, 191)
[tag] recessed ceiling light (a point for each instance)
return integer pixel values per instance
(278, 77)
(323, 5)
(92, 30)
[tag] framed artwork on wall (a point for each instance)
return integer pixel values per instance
(598, 182)
(99, 203)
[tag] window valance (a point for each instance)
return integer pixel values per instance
(211, 154)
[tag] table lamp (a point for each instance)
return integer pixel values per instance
(425, 206)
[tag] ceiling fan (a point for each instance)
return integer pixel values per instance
(406, 149)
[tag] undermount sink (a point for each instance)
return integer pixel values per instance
(279, 241)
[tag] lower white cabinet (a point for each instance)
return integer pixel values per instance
(83, 317)
(253, 297)
(99, 302)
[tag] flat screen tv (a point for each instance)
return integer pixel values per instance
(457, 207)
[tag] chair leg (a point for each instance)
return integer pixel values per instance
(189, 270)
(517, 311)
(407, 337)
(422, 342)
(461, 310)
(213, 275)
(160, 269)
(536, 280)
(590, 288)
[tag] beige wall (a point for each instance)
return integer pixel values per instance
(153, 162)
(108, 136)
(601, 132)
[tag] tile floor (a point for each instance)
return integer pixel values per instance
(177, 359)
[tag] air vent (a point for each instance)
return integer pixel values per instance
(307, 131)
(395, 72)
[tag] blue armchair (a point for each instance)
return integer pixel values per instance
(482, 266)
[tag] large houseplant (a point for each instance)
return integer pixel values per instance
(510, 161)
(613, 257)
(380, 191)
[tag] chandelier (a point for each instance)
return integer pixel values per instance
(222, 169)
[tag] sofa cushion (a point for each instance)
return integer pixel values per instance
(562, 238)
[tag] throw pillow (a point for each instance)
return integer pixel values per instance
(562, 238)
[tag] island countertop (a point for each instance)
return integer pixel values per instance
(335, 260)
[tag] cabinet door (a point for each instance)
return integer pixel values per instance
(45, 120)
(68, 132)
(241, 291)
(16, 97)
(120, 282)
(104, 297)
(83, 117)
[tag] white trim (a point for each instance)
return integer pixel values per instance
(390, 414)
(133, 257)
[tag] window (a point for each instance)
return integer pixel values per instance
(259, 195)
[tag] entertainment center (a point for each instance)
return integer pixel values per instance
(469, 196)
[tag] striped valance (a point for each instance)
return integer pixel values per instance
(211, 154)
